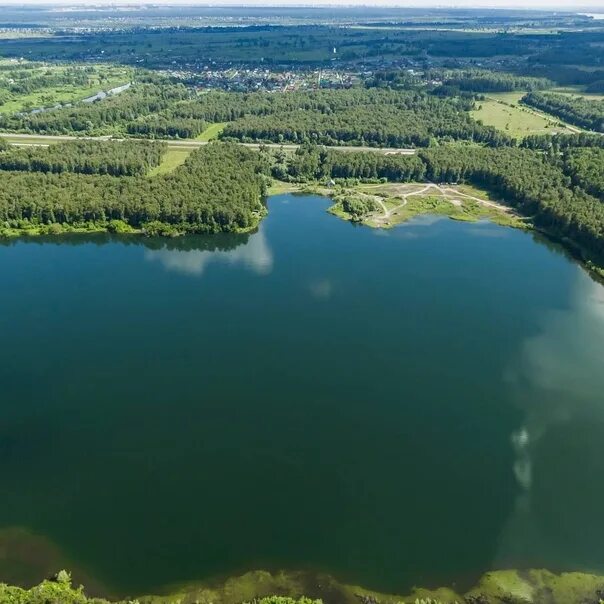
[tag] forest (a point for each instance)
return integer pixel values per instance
(312, 162)
(311, 44)
(546, 142)
(421, 124)
(373, 117)
(586, 169)
(579, 111)
(219, 188)
(116, 158)
(483, 80)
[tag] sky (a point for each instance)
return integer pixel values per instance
(596, 6)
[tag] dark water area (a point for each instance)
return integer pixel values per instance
(396, 408)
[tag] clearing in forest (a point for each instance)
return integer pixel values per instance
(386, 205)
(211, 132)
(504, 112)
(170, 161)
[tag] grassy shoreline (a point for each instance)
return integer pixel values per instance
(118, 227)
(297, 587)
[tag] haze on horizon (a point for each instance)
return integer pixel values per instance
(596, 6)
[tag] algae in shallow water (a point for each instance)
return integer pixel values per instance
(262, 587)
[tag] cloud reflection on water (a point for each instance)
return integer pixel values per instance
(558, 382)
(253, 252)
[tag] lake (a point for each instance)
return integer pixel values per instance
(397, 408)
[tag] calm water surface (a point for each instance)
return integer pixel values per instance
(407, 407)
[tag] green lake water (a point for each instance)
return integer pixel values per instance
(404, 407)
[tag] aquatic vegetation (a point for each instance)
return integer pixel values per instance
(505, 586)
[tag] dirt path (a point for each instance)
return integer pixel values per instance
(453, 196)
(484, 202)
(385, 217)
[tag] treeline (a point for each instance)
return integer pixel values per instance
(311, 162)
(218, 188)
(527, 179)
(109, 116)
(227, 107)
(586, 169)
(372, 126)
(579, 111)
(159, 126)
(375, 117)
(530, 182)
(116, 158)
(557, 142)
(483, 80)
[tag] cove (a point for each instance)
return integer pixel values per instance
(410, 407)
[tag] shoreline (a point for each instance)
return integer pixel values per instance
(164, 230)
(509, 218)
(531, 586)
(576, 252)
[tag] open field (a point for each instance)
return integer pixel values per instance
(98, 77)
(211, 132)
(171, 160)
(392, 204)
(503, 111)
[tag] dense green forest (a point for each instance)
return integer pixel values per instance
(117, 158)
(218, 188)
(483, 80)
(311, 162)
(547, 142)
(160, 126)
(377, 126)
(374, 117)
(582, 112)
(586, 168)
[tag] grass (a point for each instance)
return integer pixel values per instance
(407, 201)
(103, 77)
(170, 161)
(33, 140)
(502, 111)
(281, 188)
(211, 132)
